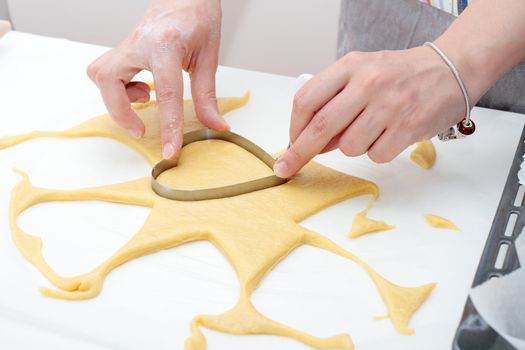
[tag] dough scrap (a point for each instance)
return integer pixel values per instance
(440, 222)
(362, 224)
(254, 231)
(424, 154)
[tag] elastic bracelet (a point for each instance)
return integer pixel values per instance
(466, 126)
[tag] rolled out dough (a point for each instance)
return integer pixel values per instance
(254, 231)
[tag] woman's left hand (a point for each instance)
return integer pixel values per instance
(372, 102)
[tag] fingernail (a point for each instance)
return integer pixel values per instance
(168, 151)
(280, 168)
(135, 133)
(224, 125)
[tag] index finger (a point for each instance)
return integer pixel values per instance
(313, 96)
(328, 123)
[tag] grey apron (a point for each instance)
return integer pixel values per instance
(373, 25)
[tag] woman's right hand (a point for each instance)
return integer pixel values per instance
(173, 35)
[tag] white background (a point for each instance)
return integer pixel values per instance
(284, 37)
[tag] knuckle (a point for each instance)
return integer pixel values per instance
(403, 99)
(319, 124)
(295, 155)
(205, 95)
(200, 28)
(166, 94)
(168, 39)
(411, 124)
(104, 75)
(373, 80)
(299, 102)
(410, 95)
(395, 102)
(349, 149)
(377, 156)
(170, 33)
(353, 57)
(377, 78)
(346, 150)
(92, 70)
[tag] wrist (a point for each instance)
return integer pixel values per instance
(485, 42)
(474, 63)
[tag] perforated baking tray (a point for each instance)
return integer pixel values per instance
(498, 259)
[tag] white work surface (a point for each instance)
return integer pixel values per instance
(149, 302)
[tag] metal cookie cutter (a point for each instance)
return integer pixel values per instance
(216, 192)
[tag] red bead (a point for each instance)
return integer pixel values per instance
(466, 129)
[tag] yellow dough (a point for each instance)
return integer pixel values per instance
(440, 222)
(424, 154)
(254, 231)
(363, 225)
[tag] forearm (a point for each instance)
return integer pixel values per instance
(485, 42)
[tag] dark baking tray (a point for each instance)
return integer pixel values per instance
(473, 332)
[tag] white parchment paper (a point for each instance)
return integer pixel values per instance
(500, 301)
(521, 173)
(150, 302)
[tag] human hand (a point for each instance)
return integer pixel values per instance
(375, 102)
(171, 36)
(5, 26)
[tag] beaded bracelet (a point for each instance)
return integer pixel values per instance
(466, 126)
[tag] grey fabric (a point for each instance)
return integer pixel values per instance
(373, 25)
(4, 13)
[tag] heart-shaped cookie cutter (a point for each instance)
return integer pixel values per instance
(216, 192)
